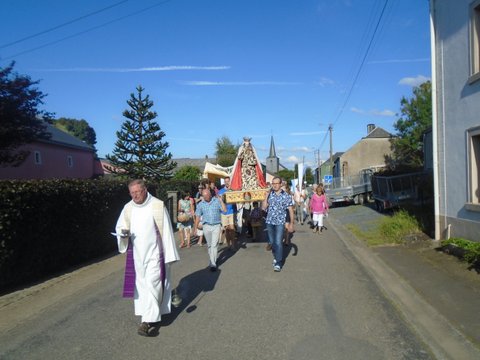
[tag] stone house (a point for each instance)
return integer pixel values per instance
(368, 153)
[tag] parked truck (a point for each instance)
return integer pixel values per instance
(391, 191)
(350, 189)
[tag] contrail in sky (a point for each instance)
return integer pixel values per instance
(153, 68)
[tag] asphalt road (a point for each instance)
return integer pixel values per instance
(323, 305)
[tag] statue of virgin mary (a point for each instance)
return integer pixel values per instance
(247, 171)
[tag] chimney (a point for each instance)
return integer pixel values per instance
(370, 128)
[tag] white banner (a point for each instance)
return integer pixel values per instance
(300, 175)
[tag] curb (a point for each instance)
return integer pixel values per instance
(443, 339)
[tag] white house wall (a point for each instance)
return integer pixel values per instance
(458, 109)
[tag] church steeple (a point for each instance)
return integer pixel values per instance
(272, 149)
(273, 163)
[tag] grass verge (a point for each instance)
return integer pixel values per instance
(470, 249)
(389, 230)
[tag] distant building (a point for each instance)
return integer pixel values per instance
(368, 153)
(325, 168)
(196, 162)
(456, 121)
(63, 156)
(273, 162)
(103, 167)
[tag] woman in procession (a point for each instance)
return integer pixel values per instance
(185, 219)
(318, 208)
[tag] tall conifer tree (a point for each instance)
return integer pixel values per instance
(139, 151)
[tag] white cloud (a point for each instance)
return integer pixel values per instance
(413, 81)
(325, 81)
(154, 68)
(373, 112)
(302, 149)
(408, 23)
(292, 159)
(235, 83)
(382, 112)
(357, 110)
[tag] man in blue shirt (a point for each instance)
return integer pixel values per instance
(277, 203)
(228, 217)
(209, 210)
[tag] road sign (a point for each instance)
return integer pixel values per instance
(327, 179)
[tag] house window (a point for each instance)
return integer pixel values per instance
(37, 158)
(474, 165)
(475, 40)
(70, 161)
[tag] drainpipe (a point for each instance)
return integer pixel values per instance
(436, 188)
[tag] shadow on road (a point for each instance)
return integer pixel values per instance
(287, 249)
(193, 287)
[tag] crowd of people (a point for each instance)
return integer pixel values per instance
(144, 231)
(247, 219)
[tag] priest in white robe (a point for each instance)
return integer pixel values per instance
(150, 245)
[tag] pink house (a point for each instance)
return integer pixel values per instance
(63, 156)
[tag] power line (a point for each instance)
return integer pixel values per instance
(358, 53)
(385, 24)
(61, 25)
(347, 98)
(88, 30)
(323, 141)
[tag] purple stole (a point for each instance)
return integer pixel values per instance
(129, 279)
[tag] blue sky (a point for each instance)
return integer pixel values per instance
(214, 68)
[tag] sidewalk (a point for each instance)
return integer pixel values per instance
(419, 273)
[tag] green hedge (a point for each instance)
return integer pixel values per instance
(47, 226)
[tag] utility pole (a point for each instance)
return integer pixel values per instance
(330, 129)
(303, 170)
(317, 155)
